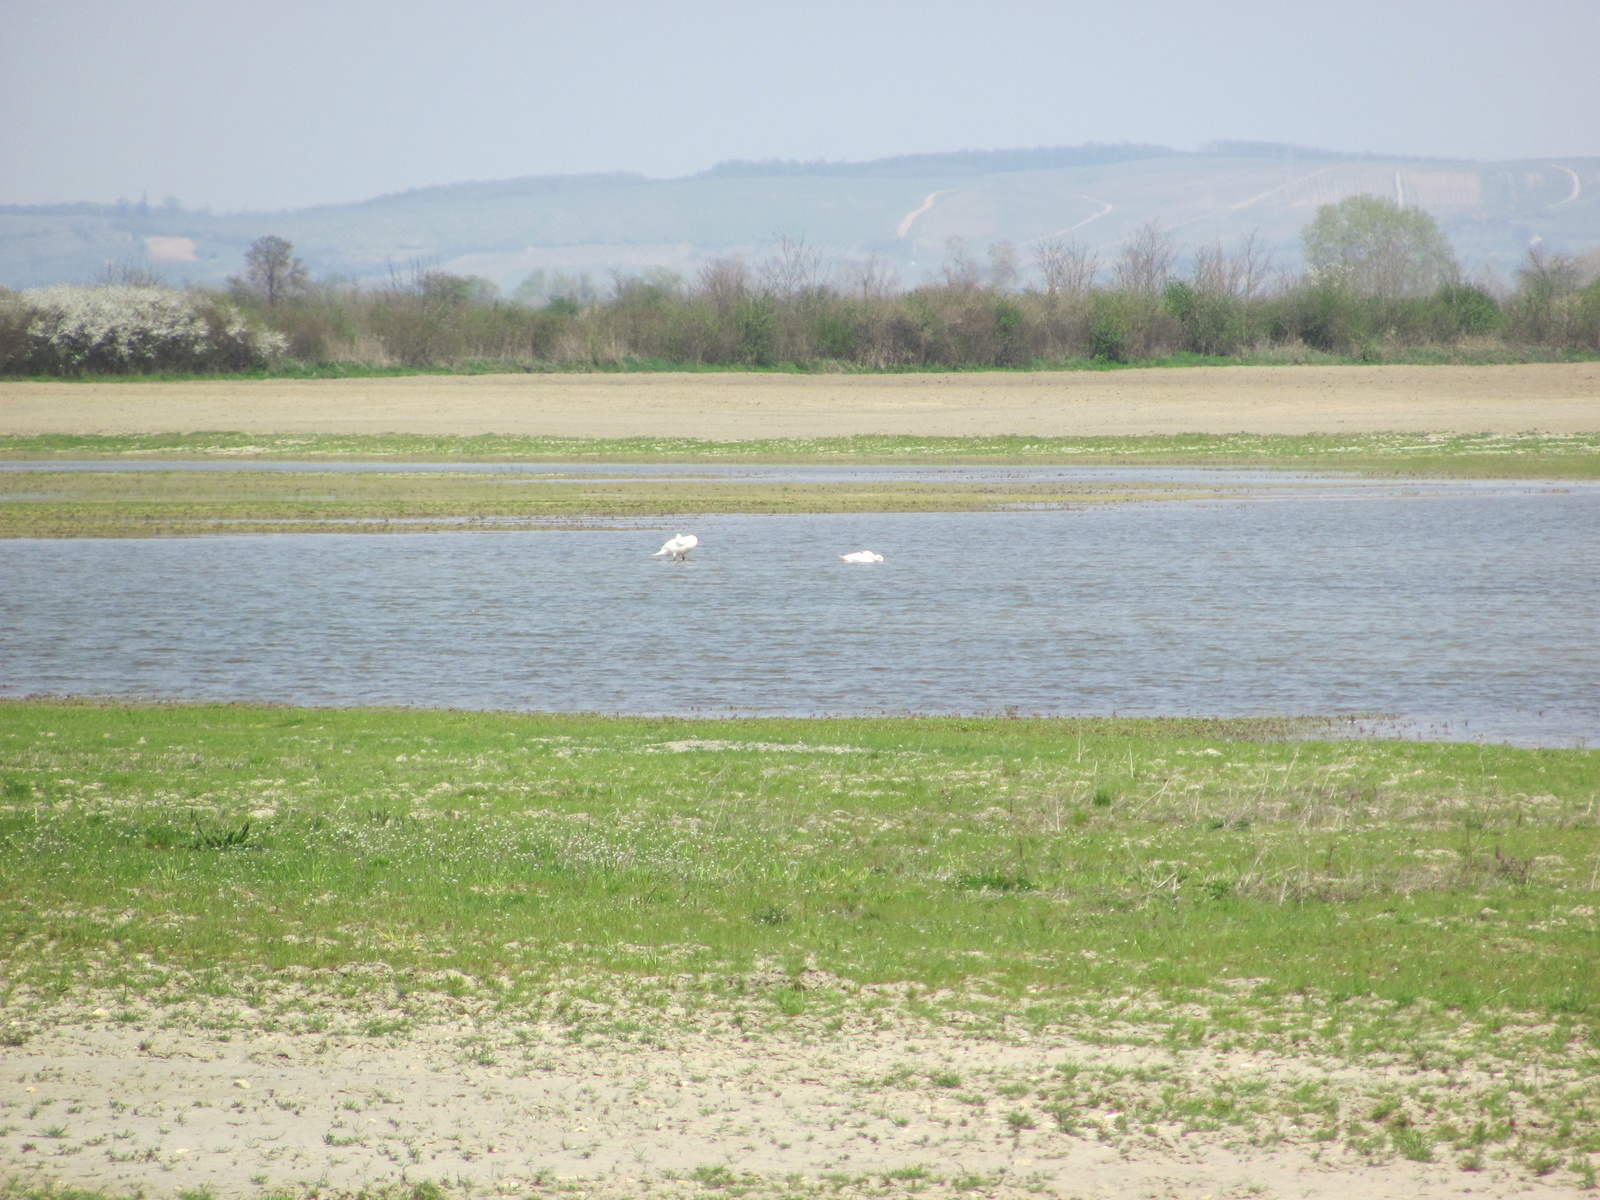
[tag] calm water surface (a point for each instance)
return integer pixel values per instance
(1468, 611)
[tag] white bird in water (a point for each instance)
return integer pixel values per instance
(678, 547)
(862, 556)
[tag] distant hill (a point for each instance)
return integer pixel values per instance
(903, 209)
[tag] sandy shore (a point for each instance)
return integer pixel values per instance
(509, 1108)
(1547, 398)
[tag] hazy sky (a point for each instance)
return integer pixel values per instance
(269, 104)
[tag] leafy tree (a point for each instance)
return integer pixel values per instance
(481, 290)
(1370, 246)
(653, 289)
(272, 269)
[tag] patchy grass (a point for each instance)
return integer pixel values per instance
(932, 851)
(1387, 949)
(79, 503)
(176, 503)
(1525, 455)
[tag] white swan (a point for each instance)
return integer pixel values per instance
(862, 556)
(678, 547)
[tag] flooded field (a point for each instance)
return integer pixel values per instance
(1457, 610)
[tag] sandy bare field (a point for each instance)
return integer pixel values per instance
(1547, 398)
(507, 1108)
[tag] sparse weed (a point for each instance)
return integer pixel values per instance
(1413, 1144)
(914, 1171)
(717, 1176)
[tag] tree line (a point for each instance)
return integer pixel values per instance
(1378, 282)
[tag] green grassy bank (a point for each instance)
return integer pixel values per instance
(1071, 856)
(1384, 949)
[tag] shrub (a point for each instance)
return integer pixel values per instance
(757, 327)
(1323, 316)
(835, 335)
(1009, 334)
(1108, 328)
(1463, 310)
(1584, 326)
(1210, 324)
(15, 346)
(114, 330)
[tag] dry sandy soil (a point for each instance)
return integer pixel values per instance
(1547, 398)
(514, 1108)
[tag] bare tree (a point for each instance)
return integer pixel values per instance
(793, 270)
(1002, 266)
(723, 282)
(129, 275)
(1214, 273)
(1548, 276)
(1068, 267)
(271, 268)
(1252, 265)
(961, 271)
(872, 279)
(1146, 261)
(1238, 274)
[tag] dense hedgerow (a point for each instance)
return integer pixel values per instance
(664, 321)
(68, 331)
(121, 329)
(1387, 297)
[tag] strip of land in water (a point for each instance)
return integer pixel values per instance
(150, 503)
(178, 503)
(789, 955)
(1537, 421)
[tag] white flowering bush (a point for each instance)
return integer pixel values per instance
(117, 330)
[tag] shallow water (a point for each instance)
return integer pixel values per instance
(1467, 611)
